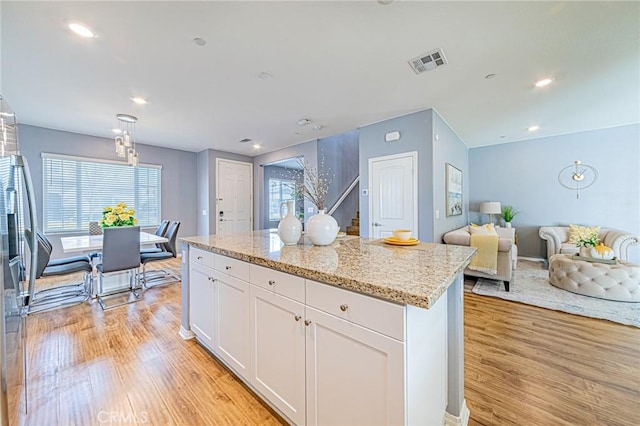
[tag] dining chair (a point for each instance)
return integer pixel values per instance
(61, 295)
(120, 253)
(95, 228)
(161, 231)
(161, 276)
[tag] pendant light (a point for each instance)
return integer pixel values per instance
(125, 141)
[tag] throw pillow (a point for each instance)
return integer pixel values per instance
(576, 232)
(488, 229)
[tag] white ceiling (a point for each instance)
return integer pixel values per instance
(340, 64)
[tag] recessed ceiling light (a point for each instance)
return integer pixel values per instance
(533, 128)
(264, 75)
(318, 127)
(544, 82)
(139, 100)
(303, 122)
(81, 29)
(502, 136)
(489, 76)
(256, 146)
(199, 41)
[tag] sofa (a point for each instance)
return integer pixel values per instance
(557, 238)
(507, 253)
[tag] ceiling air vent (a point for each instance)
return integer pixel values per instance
(245, 140)
(428, 61)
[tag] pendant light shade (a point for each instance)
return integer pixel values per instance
(125, 141)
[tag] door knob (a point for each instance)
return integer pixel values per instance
(377, 224)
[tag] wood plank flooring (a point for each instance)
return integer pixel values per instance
(523, 366)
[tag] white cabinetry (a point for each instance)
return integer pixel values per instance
(319, 354)
(278, 349)
(232, 314)
(202, 301)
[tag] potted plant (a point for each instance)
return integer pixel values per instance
(586, 243)
(508, 213)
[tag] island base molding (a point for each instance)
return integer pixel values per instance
(186, 334)
(463, 420)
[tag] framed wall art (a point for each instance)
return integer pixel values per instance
(453, 180)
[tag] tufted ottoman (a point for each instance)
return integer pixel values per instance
(619, 282)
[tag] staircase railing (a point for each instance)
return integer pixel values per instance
(344, 195)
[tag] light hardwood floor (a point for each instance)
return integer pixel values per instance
(523, 366)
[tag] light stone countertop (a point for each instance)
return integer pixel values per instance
(416, 275)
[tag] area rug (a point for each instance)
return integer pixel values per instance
(531, 286)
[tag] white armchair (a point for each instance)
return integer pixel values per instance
(557, 238)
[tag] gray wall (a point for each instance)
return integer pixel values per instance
(308, 150)
(447, 148)
(206, 196)
(415, 130)
(525, 175)
(178, 170)
(339, 159)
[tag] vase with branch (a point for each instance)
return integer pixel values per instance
(321, 228)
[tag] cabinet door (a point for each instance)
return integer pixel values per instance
(355, 376)
(232, 323)
(277, 330)
(202, 300)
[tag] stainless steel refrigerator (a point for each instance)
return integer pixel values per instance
(17, 211)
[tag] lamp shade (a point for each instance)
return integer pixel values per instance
(490, 207)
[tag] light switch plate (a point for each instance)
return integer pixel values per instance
(204, 212)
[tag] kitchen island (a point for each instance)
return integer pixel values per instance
(357, 332)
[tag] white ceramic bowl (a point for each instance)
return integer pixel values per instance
(402, 234)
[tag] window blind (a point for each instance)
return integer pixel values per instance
(76, 190)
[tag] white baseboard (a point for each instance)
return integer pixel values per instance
(463, 420)
(532, 259)
(186, 334)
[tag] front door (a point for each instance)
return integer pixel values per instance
(393, 183)
(234, 191)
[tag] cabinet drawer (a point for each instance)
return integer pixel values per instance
(280, 283)
(378, 315)
(202, 257)
(234, 267)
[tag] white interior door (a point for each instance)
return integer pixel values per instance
(234, 191)
(393, 194)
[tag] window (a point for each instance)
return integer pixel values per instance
(279, 190)
(75, 190)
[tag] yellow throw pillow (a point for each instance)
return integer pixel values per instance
(576, 232)
(488, 229)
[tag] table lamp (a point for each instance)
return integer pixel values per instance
(491, 208)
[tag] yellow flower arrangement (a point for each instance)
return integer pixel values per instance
(120, 215)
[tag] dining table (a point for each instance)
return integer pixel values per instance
(84, 243)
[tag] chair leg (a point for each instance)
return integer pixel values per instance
(133, 290)
(61, 296)
(157, 277)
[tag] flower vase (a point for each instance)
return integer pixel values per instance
(322, 229)
(289, 228)
(585, 251)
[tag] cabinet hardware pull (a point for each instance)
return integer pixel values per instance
(297, 317)
(307, 322)
(227, 267)
(344, 307)
(213, 280)
(271, 282)
(199, 257)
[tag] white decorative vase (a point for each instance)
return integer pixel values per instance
(322, 229)
(289, 228)
(507, 224)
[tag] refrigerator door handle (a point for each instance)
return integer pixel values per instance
(23, 164)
